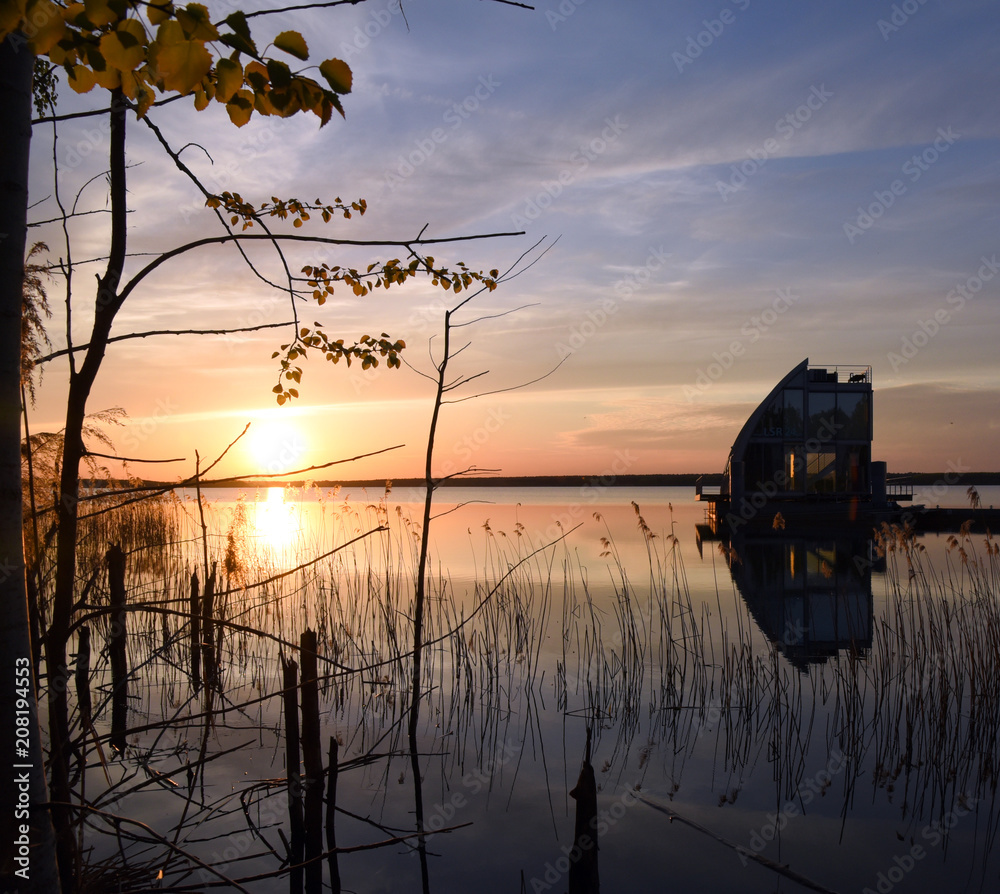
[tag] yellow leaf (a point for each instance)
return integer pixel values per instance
(158, 11)
(130, 84)
(143, 95)
(240, 107)
(262, 104)
(201, 99)
(124, 48)
(47, 25)
(179, 63)
(81, 79)
(292, 43)
(99, 12)
(196, 22)
(109, 78)
(75, 15)
(337, 74)
(62, 57)
(228, 79)
(255, 75)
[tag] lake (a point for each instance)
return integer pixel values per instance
(824, 706)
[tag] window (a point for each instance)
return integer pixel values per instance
(821, 472)
(770, 425)
(854, 413)
(853, 471)
(792, 414)
(822, 415)
(794, 469)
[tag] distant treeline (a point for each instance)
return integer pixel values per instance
(685, 479)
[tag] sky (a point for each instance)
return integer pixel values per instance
(717, 191)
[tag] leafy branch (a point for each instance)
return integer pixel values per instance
(142, 48)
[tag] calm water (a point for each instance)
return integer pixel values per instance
(775, 700)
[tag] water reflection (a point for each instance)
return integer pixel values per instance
(626, 631)
(276, 522)
(811, 598)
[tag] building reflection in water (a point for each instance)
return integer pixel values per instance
(811, 598)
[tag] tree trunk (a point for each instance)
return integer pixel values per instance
(28, 838)
(80, 382)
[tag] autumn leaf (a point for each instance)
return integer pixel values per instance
(197, 24)
(108, 78)
(81, 79)
(228, 79)
(292, 43)
(47, 22)
(240, 39)
(240, 107)
(179, 63)
(337, 74)
(158, 11)
(279, 73)
(99, 12)
(201, 99)
(256, 76)
(124, 48)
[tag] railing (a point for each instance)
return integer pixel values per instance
(899, 489)
(707, 490)
(850, 373)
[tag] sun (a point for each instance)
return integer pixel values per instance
(276, 446)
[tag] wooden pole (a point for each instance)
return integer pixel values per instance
(291, 701)
(208, 631)
(584, 877)
(195, 633)
(116, 646)
(331, 808)
(83, 674)
(312, 764)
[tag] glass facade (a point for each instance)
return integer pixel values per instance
(811, 437)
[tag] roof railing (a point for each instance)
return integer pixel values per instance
(849, 373)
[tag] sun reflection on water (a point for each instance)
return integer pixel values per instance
(276, 521)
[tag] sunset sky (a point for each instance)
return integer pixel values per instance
(724, 189)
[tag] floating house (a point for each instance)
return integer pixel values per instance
(805, 455)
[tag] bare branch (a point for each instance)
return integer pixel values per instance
(495, 316)
(517, 387)
(97, 113)
(41, 223)
(132, 459)
(152, 332)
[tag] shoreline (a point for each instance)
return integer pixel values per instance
(681, 479)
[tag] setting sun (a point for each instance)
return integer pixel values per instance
(275, 445)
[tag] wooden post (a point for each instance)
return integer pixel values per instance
(583, 873)
(208, 631)
(83, 674)
(312, 764)
(290, 684)
(195, 633)
(116, 646)
(331, 808)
